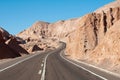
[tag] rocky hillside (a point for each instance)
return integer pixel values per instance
(97, 39)
(107, 52)
(62, 29)
(44, 30)
(36, 31)
(91, 37)
(92, 31)
(83, 33)
(37, 36)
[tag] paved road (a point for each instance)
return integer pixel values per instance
(51, 65)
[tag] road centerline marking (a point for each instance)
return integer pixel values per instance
(40, 71)
(44, 67)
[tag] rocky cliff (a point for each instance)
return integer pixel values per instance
(97, 39)
(107, 52)
(92, 31)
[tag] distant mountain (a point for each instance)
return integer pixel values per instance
(37, 37)
(36, 31)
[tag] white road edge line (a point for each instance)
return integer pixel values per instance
(83, 68)
(109, 72)
(18, 62)
(44, 68)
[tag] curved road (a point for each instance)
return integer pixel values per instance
(50, 65)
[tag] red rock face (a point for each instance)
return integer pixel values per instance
(9, 46)
(1, 38)
(7, 52)
(35, 48)
(5, 35)
(14, 44)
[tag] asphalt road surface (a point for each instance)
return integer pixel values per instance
(50, 65)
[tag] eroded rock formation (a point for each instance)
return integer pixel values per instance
(5, 50)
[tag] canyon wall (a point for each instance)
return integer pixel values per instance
(91, 32)
(106, 54)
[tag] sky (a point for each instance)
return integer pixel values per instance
(17, 15)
